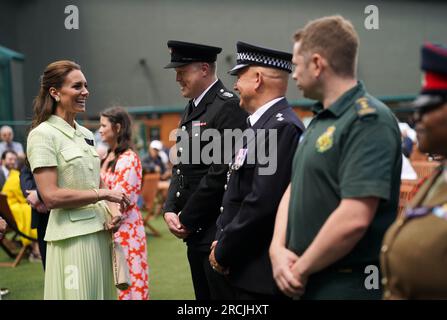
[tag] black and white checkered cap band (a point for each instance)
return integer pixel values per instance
(243, 57)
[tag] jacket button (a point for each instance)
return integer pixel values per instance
(221, 209)
(384, 281)
(177, 194)
(178, 171)
(387, 294)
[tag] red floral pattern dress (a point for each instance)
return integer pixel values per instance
(131, 234)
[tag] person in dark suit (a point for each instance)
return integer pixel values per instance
(197, 186)
(2, 178)
(255, 185)
(39, 212)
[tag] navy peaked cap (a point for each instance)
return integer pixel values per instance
(183, 53)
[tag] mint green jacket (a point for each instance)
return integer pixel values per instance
(54, 143)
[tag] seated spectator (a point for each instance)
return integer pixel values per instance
(408, 138)
(3, 225)
(6, 135)
(153, 162)
(20, 209)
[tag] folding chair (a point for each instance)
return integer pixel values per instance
(424, 168)
(149, 193)
(6, 214)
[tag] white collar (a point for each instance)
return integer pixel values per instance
(199, 98)
(5, 171)
(258, 113)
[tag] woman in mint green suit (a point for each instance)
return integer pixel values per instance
(66, 168)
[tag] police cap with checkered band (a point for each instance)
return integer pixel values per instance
(248, 55)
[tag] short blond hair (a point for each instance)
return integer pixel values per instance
(335, 39)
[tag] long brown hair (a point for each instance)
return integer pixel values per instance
(54, 75)
(117, 115)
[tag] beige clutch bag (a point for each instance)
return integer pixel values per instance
(119, 262)
(120, 267)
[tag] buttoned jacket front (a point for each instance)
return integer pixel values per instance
(54, 143)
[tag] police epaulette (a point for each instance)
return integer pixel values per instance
(225, 94)
(364, 108)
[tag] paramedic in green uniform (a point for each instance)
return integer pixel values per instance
(345, 180)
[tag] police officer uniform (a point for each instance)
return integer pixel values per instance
(245, 227)
(350, 150)
(413, 255)
(196, 188)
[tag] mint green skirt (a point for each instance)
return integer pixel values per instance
(80, 268)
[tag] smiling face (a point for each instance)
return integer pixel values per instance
(245, 85)
(191, 79)
(73, 94)
(431, 128)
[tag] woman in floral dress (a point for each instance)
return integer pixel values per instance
(121, 170)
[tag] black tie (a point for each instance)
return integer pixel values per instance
(190, 107)
(248, 122)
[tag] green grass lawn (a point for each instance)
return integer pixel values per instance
(169, 275)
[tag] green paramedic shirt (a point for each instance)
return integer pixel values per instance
(350, 150)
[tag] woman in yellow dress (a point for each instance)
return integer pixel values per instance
(20, 209)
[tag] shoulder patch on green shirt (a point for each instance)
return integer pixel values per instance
(364, 108)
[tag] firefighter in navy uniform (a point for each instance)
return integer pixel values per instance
(196, 188)
(255, 185)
